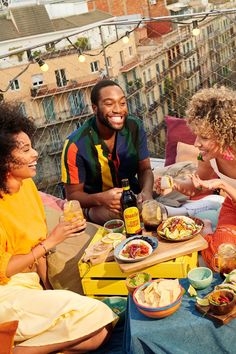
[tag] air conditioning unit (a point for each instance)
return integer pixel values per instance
(152, 2)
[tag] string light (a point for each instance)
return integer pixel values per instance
(43, 66)
(125, 39)
(81, 57)
(195, 30)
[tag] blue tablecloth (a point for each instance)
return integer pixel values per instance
(187, 331)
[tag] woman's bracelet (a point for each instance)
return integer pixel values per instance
(35, 259)
(44, 247)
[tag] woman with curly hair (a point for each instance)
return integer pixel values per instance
(49, 320)
(211, 115)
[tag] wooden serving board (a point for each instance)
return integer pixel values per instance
(165, 251)
(222, 319)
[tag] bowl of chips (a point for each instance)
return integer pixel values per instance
(158, 298)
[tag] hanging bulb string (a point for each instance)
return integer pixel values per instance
(16, 77)
(173, 19)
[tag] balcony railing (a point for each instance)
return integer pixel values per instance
(65, 116)
(134, 86)
(149, 84)
(52, 89)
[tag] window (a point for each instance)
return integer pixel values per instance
(61, 77)
(158, 69)
(109, 62)
(76, 100)
(54, 135)
(94, 66)
(130, 51)
(15, 85)
(163, 65)
(48, 107)
(37, 80)
(122, 57)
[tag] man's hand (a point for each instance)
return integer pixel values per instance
(142, 196)
(111, 199)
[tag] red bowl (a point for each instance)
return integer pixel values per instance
(158, 312)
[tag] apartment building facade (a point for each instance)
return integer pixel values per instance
(158, 75)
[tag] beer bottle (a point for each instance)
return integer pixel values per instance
(130, 210)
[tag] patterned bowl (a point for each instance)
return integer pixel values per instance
(158, 312)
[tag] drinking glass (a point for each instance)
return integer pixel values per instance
(72, 209)
(151, 214)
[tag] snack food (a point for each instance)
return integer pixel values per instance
(159, 294)
(135, 249)
(179, 228)
(166, 182)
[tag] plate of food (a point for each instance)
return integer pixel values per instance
(179, 228)
(135, 249)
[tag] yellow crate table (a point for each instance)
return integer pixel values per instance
(107, 279)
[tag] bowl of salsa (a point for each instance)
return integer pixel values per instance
(133, 281)
(114, 225)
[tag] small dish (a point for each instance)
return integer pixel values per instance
(221, 302)
(152, 245)
(135, 280)
(114, 225)
(200, 277)
(117, 304)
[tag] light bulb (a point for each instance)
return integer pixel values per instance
(195, 30)
(44, 67)
(81, 58)
(125, 39)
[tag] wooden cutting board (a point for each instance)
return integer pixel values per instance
(166, 251)
(222, 319)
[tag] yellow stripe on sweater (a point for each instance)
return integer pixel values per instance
(105, 170)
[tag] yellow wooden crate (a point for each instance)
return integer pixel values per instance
(107, 279)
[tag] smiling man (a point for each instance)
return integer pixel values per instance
(112, 145)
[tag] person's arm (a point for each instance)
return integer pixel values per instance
(187, 187)
(110, 198)
(146, 180)
(213, 184)
(18, 263)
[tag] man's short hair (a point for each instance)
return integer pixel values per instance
(96, 89)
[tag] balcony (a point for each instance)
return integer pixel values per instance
(66, 116)
(150, 84)
(153, 106)
(130, 65)
(52, 89)
(134, 86)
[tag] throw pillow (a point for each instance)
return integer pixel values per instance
(186, 152)
(177, 131)
(7, 332)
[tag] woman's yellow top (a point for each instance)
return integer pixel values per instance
(22, 224)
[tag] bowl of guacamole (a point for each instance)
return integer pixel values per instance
(135, 280)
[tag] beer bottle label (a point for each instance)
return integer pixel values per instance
(132, 220)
